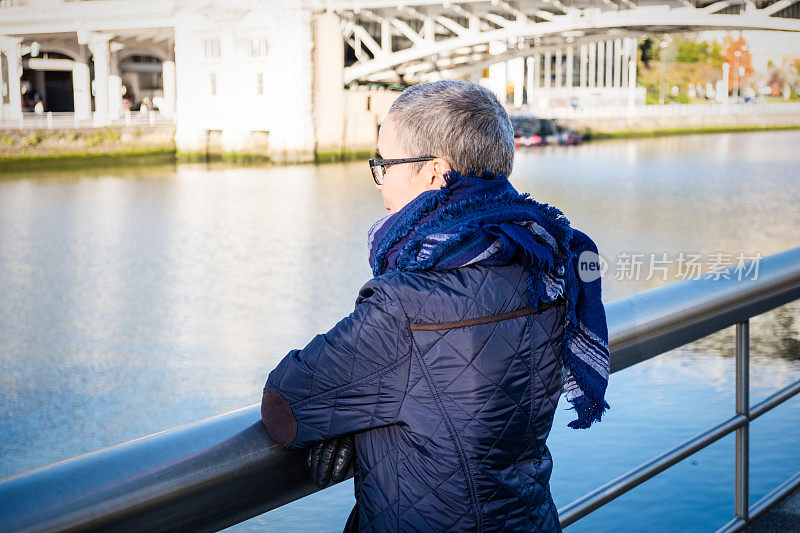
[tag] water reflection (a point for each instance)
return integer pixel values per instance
(136, 299)
(773, 336)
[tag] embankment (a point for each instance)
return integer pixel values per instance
(34, 148)
(686, 119)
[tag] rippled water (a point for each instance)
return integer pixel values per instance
(136, 299)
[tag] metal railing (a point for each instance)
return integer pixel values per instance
(67, 120)
(673, 110)
(217, 472)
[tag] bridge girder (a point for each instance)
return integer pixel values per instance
(418, 40)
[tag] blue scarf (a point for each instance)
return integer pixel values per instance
(483, 219)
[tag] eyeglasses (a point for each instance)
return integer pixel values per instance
(378, 166)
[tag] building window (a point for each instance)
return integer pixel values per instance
(260, 83)
(258, 47)
(212, 83)
(211, 48)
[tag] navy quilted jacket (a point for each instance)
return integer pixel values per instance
(449, 383)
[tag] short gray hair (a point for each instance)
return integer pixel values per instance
(460, 121)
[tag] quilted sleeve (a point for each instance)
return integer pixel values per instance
(350, 379)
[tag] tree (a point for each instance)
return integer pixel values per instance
(690, 51)
(730, 47)
(649, 51)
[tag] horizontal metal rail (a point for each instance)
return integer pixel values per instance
(217, 472)
(619, 486)
(652, 322)
(627, 481)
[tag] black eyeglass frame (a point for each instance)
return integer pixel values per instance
(378, 166)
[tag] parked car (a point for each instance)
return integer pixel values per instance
(533, 131)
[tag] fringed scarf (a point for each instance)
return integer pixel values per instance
(483, 219)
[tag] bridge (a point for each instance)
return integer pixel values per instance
(422, 40)
(217, 472)
(287, 62)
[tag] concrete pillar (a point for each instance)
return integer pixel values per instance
(592, 65)
(632, 73)
(328, 98)
(428, 30)
(386, 37)
(40, 86)
(474, 24)
(101, 59)
(114, 84)
(626, 56)
(570, 66)
(601, 60)
(3, 85)
(559, 69)
(547, 61)
(584, 54)
(529, 77)
(537, 70)
(516, 68)
(11, 48)
(618, 56)
(170, 90)
(82, 86)
(609, 82)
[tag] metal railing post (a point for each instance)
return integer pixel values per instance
(741, 492)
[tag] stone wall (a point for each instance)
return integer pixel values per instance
(697, 122)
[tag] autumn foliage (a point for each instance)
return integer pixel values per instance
(729, 48)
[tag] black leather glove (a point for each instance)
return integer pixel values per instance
(329, 461)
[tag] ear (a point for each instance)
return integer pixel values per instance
(439, 168)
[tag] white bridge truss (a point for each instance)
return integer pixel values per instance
(418, 40)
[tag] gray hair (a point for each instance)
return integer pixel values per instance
(460, 121)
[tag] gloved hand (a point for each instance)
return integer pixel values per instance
(330, 460)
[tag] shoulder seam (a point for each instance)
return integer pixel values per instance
(333, 392)
(377, 373)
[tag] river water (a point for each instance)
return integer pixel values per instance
(133, 300)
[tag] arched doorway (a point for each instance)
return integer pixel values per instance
(142, 79)
(47, 79)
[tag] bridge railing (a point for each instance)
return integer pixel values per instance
(56, 120)
(217, 472)
(665, 111)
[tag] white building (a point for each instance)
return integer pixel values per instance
(268, 76)
(235, 73)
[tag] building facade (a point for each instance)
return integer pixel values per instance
(268, 77)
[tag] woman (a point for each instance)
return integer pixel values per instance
(448, 372)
